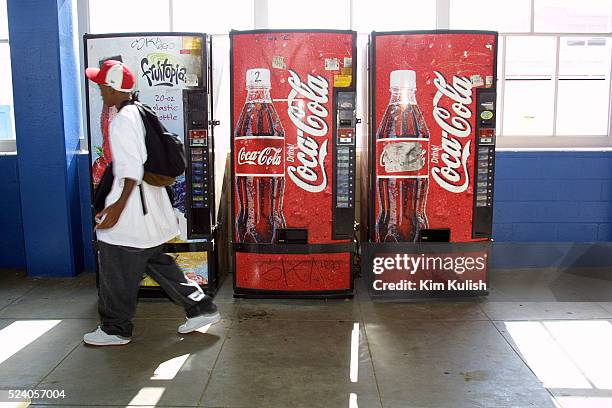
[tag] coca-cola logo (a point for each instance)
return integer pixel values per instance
(269, 156)
(453, 175)
(310, 175)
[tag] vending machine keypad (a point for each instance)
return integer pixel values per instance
(485, 163)
(344, 164)
(198, 199)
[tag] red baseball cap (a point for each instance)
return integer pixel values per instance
(113, 73)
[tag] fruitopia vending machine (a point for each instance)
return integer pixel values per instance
(293, 162)
(173, 77)
(431, 152)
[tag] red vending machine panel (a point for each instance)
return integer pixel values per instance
(432, 136)
(293, 162)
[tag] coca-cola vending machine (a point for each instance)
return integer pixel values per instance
(172, 77)
(432, 145)
(293, 162)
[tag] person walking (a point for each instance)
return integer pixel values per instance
(137, 220)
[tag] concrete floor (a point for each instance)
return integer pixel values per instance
(543, 337)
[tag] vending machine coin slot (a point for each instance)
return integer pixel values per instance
(344, 165)
(198, 108)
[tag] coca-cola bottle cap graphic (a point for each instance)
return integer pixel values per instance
(403, 78)
(258, 77)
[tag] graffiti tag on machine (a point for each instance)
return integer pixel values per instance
(146, 42)
(297, 273)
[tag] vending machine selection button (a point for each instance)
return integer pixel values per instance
(198, 137)
(486, 115)
(346, 136)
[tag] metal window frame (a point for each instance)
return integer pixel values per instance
(260, 20)
(84, 24)
(553, 140)
(8, 146)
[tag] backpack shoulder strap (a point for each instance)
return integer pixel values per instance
(149, 117)
(142, 200)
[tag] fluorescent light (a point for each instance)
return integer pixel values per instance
(355, 353)
(19, 334)
(545, 357)
(147, 396)
(169, 369)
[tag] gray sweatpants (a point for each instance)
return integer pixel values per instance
(121, 270)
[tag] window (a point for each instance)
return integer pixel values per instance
(314, 14)
(556, 86)
(393, 15)
(584, 86)
(528, 98)
(6, 90)
(212, 17)
(508, 16)
(554, 56)
(3, 20)
(573, 16)
(119, 16)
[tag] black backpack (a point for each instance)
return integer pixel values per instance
(165, 151)
(165, 158)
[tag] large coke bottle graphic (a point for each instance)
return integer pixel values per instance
(402, 146)
(259, 158)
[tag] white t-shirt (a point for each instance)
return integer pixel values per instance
(134, 229)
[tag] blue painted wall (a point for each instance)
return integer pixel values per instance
(553, 196)
(12, 251)
(47, 124)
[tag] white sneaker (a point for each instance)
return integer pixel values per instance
(194, 323)
(100, 338)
